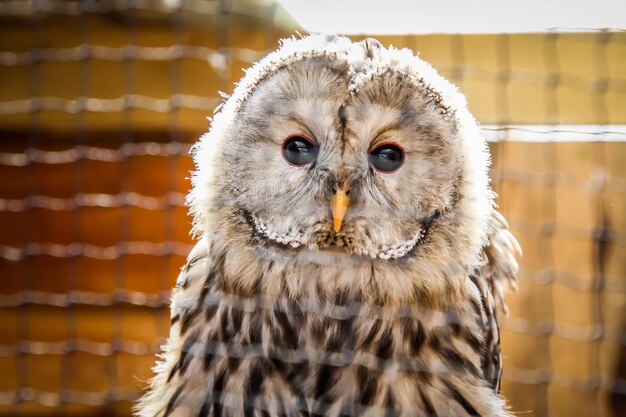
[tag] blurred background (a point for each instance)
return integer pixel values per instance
(100, 101)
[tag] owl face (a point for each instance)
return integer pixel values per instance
(343, 147)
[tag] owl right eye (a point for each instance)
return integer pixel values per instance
(299, 151)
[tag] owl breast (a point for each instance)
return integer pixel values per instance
(243, 355)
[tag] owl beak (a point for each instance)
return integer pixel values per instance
(339, 204)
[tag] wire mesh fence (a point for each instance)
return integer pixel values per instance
(100, 103)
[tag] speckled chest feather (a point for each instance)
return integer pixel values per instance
(244, 354)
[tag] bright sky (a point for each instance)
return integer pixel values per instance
(455, 16)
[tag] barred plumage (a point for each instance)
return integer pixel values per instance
(392, 312)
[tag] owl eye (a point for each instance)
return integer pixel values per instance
(387, 157)
(299, 151)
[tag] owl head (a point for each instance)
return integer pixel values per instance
(328, 146)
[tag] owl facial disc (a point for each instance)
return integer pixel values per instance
(332, 146)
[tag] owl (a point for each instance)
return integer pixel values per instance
(350, 260)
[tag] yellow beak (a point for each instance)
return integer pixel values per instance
(339, 205)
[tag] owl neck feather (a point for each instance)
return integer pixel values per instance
(257, 268)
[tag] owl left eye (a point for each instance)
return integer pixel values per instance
(299, 151)
(387, 157)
